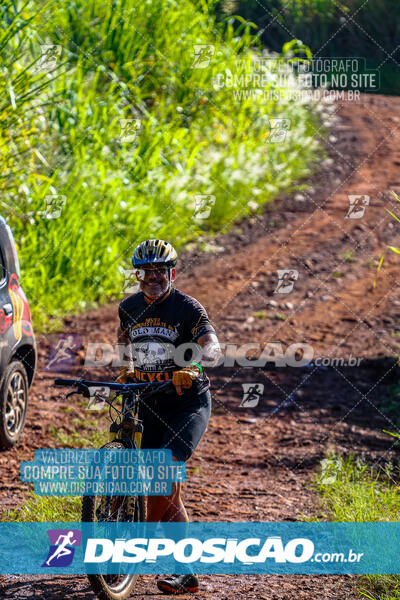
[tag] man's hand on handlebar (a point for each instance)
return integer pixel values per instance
(184, 378)
(126, 375)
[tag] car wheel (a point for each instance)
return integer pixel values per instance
(13, 404)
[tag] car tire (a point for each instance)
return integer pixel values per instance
(13, 403)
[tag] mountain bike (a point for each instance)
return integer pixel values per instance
(126, 432)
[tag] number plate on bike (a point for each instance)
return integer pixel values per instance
(98, 397)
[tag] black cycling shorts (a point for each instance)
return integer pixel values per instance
(176, 423)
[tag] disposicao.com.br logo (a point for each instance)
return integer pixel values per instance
(248, 551)
(189, 550)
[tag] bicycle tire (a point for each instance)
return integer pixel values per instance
(104, 586)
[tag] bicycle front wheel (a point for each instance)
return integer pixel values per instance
(113, 508)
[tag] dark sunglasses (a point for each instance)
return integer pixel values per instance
(160, 271)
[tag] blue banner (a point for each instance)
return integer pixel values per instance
(226, 548)
(111, 472)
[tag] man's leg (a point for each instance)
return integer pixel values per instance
(185, 429)
(176, 512)
(171, 509)
(167, 508)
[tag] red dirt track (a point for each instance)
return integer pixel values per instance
(257, 464)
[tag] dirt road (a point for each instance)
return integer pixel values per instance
(257, 464)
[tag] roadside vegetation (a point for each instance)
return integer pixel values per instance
(86, 434)
(354, 28)
(108, 137)
(45, 509)
(353, 491)
(392, 248)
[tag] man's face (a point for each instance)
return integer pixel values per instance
(153, 279)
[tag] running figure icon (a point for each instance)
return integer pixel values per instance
(62, 353)
(62, 549)
(252, 393)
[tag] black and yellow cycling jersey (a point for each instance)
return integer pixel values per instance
(161, 335)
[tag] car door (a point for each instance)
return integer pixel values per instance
(7, 340)
(15, 320)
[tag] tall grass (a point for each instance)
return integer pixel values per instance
(357, 492)
(392, 248)
(134, 60)
(331, 28)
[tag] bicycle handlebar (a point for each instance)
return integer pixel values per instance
(112, 385)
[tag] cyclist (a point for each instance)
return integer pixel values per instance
(154, 323)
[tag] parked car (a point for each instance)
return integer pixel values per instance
(17, 343)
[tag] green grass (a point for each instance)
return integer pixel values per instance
(349, 256)
(89, 432)
(260, 314)
(132, 60)
(45, 509)
(280, 316)
(356, 492)
(84, 438)
(194, 470)
(392, 248)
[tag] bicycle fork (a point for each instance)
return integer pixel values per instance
(133, 428)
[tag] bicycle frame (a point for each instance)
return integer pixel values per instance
(130, 424)
(130, 428)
